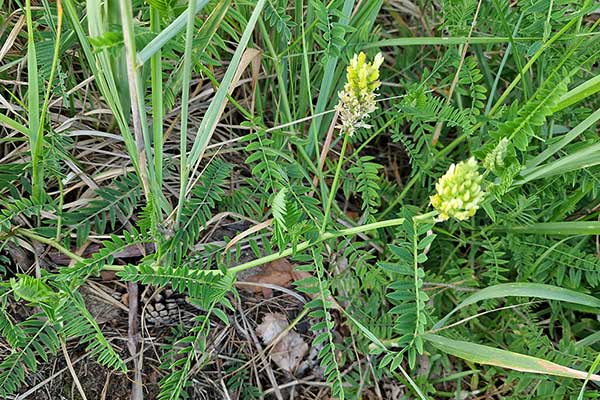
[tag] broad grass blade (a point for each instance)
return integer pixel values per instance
(503, 358)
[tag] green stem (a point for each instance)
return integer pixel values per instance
(325, 236)
(254, 263)
(49, 242)
(415, 252)
(53, 243)
(336, 178)
(59, 214)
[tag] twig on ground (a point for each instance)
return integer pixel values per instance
(133, 341)
(72, 370)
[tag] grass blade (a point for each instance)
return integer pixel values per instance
(448, 41)
(45, 106)
(558, 228)
(36, 137)
(524, 289)
(532, 61)
(567, 138)
(167, 34)
(589, 340)
(581, 92)
(138, 113)
(584, 158)
(99, 64)
(587, 378)
(439, 41)
(503, 358)
(325, 88)
(12, 124)
(157, 101)
(210, 120)
(185, 97)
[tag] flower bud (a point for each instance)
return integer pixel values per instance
(495, 158)
(459, 191)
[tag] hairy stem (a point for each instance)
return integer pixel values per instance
(259, 261)
(50, 242)
(326, 236)
(336, 178)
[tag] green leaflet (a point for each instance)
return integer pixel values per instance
(533, 114)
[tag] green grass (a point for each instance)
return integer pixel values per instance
(150, 128)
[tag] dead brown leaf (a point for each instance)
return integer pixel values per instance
(279, 272)
(287, 352)
(108, 275)
(273, 324)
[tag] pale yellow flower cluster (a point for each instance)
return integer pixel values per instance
(459, 191)
(357, 100)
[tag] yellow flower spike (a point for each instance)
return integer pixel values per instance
(357, 100)
(459, 191)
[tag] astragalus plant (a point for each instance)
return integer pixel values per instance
(430, 169)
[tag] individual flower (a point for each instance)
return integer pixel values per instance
(357, 100)
(459, 191)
